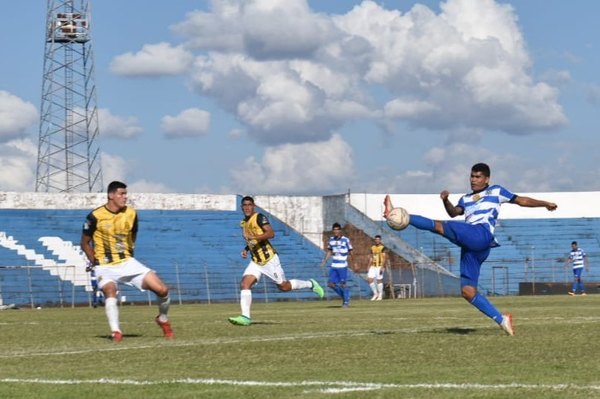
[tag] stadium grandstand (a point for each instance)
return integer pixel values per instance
(193, 241)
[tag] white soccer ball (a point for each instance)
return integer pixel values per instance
(398, 219)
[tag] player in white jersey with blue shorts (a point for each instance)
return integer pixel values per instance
(475, 237)
(339, 249)
(578, 258)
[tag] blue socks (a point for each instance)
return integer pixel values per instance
(346, 295)
(422, 223)
(486, 307)
(338, 290)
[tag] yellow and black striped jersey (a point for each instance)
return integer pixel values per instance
(378, 255)
(262, 251)
(113, 234)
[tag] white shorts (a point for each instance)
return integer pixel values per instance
(375, 273)
(272, 269)
(130, 272)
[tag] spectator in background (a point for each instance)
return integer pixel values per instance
(339, 249)
(578, 258)
(376, 269)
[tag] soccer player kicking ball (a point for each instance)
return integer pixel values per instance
(475, 237)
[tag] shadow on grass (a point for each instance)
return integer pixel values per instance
(458, 330)
(108, 337)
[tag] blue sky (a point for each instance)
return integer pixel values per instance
(322, 97)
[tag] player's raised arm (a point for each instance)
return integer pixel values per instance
(452, 210)
(534, 203)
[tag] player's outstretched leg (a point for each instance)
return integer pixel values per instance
(316, 288)
(387, 206)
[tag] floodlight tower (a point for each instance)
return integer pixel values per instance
(68, 154)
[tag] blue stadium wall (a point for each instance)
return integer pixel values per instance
(196, 252)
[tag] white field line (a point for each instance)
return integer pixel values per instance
(322, 386)
(122, 346)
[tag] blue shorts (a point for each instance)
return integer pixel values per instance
(475, 242)
(338, 275)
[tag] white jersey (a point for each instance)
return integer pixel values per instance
(576, 257)
(483, 207)
(340, 249)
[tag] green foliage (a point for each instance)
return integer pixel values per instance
(425, 348)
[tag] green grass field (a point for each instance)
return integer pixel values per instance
(424, 348)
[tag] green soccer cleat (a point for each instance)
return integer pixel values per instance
(317, 289)
(240, 320)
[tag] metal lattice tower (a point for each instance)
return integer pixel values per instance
(68, 153)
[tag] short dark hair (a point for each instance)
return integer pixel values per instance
(114, 186)
(574, 243)
(378, 236)
(247, 198)
(483, 168)
(336, 226)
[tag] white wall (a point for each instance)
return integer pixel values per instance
(570, 205)
(137, 200)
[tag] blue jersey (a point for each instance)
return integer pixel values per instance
(340, 248)
(483, 207)
(576, 257)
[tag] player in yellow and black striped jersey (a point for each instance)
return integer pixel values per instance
(376, 269)
(113, 233)
(108, 240)
(257, 231)
(253, 226)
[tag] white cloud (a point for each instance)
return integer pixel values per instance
(188, 123)
(117, 126)
(18, 160)
(465, 67)
(16, 116)
(114, 168)
(469, 63)
(153, 59)
(319, 167)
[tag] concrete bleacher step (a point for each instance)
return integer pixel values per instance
(71, 255)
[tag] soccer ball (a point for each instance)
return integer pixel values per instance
(398, 219)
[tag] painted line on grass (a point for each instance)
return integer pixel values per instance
(122, 346)
(323, 386)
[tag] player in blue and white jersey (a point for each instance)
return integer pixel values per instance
(339, 249)
(578, 258)
(475, 237)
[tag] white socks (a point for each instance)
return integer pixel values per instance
(373, 287)
(300, 284)
(163, 308)
(112, 313)
(245, 302)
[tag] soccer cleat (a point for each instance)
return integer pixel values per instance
(379, 297)
(507, 324)
(317, 289)
(116, 336)
(345, 305)
(240, 320)
(583, 294)
(166, 328)
(571, 293)
(374, 297)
